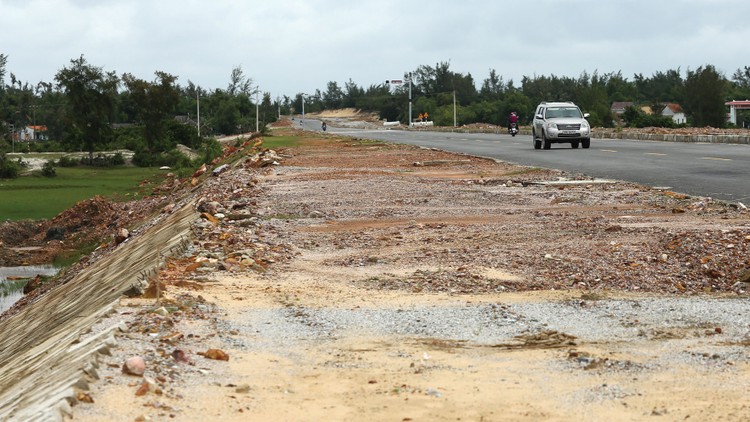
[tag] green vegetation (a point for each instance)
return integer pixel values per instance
(87, 108)
(9, 169)
(43, 197)
(12, 286)
(701, 93)
(273, 142)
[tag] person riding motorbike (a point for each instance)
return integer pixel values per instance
(324, 126)
(512, 120)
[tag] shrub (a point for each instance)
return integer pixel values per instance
(173, 158)
(48, 170)
(118, 159)
(634, 117)
(47, 146)
(67, 161)
(210, 149)
(8, 168)
(179, 133)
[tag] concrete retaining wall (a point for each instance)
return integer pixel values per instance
(41, 355)
(710, 139)
(612, 134)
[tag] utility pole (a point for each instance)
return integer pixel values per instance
(454, 108)
(409, 99)
(257, 110)
(198, 104)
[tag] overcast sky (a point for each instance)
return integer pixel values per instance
(295, 46)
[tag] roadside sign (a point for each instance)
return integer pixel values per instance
(394, 81)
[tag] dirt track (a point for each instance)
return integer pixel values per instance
(366, 287)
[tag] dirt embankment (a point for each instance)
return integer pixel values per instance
(363, 280)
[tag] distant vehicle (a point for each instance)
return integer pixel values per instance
(324, 126)
(560, 122)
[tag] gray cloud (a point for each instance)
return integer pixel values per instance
(298, 46)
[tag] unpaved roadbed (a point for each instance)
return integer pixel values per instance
(359, 285)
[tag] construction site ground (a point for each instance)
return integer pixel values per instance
(359, 280)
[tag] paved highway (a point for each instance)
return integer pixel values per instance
(720, 171)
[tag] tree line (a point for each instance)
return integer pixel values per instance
(90, 109)
(437, 90)
(87, 108)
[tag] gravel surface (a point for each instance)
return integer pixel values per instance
(385, 282)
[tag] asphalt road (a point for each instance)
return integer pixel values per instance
(719, 171)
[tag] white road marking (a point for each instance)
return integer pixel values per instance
(655, 153)
(716, 158)
(607, 150)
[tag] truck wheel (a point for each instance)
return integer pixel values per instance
(537, 141)
(547, 143)
(586, 143)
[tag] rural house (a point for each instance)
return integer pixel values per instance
(675, 112)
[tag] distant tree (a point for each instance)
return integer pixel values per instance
(225, 116)
(239, 83)
(3, 62)
(493, 88)
(662, 87)
(619, 88)
(155, 103)
(90, 97)
(352, 94)
(593, 98)
(268, 111)
(705, 90)
(741, 84)
(333, 97)
(432, 81)
(550, 88)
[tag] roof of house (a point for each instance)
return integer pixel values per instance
(620, 105)
(674, 108)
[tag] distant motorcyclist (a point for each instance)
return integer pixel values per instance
(512, 120)
(324, 126)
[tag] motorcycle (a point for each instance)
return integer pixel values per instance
(324, 126)
(513, 129)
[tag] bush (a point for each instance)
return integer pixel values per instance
(174, 159)
(210, 149)
(47, 146)
(634, 117)
(8, 168)
(130, 137)
(67, 161)
(179, 133)
(118, 159)
(48, 170)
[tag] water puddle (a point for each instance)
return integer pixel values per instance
(13, 279)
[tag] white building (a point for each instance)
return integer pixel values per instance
(675, 112)
(31, 133)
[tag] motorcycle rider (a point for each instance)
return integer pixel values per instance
(512, 119)
(324, 126)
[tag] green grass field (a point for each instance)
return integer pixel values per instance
(36, 197)
(272, 142)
